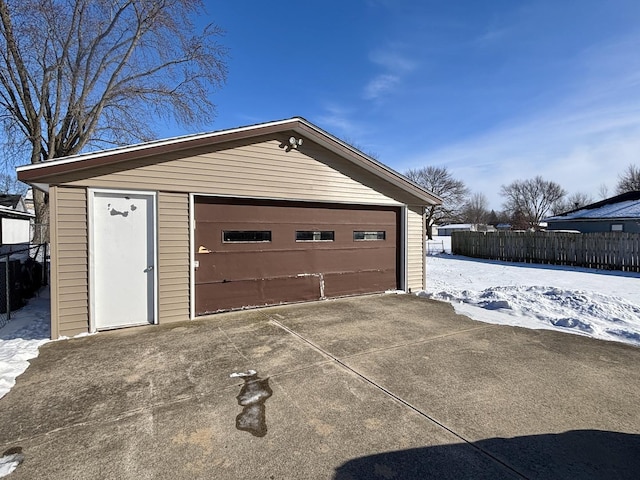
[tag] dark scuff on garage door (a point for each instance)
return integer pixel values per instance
(253, 253)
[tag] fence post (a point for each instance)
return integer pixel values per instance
(45, 265)
(7, 289)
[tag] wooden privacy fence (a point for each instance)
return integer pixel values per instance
(607, 250)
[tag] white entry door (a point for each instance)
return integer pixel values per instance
(123, 258)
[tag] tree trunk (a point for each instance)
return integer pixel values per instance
(429, 221)
(41, 222)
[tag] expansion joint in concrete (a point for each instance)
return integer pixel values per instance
(393, 395)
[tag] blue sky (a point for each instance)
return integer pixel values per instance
(495, 90)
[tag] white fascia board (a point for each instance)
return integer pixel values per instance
(143, 146)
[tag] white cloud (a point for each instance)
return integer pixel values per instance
(580, 152)
(583, 141)
(380, 85)
(395, 67)
(494, 35)
(391, 60)
(339, 120)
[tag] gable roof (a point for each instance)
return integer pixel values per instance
(9, 200)
(39, 174)
(12, 206)
(625, 205)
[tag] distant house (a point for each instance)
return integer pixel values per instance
(616, 214)
(483, 227)
(28, 201)
(15, 222)
(447, 230)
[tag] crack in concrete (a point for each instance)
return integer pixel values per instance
(233, 344)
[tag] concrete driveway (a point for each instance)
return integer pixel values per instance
(389, 387)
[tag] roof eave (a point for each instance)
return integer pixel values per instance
(361, 159)
(6, 213)
(595, 219)
(31, 172)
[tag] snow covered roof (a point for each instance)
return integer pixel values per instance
(457, 226)
(624, 206)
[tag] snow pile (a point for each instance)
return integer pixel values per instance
(20, 339)
(599, 304)
(10, 461)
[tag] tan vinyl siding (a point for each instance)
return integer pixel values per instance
(173, 257)
(255, 168)
(69, 262)
(415, 242)
(262, 170)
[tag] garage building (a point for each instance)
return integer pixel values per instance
(181, 228)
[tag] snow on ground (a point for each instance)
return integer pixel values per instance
(597, 303)
(21, 337)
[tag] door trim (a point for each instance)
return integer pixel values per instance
(192, 257)
(404, 249)
(92, 272)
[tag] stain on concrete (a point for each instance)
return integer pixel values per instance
(321, 428)
(261, 350)
(253, 395)
(373, 424)
(202, 438)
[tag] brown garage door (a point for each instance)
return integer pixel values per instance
(252, 253)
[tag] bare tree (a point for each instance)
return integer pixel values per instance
(572, 202)
(629, 180)
(475, 209)
(10, 184)
(351, 142)
(603, 191)
(79, 73)
(453, 193)
(519, 221)
(532, 199)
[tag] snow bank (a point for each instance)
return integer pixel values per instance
(596, 303)
(21, 337)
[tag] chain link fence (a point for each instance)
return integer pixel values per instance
(23, 272)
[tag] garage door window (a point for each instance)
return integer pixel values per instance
(379, 235)
(244, 236)
(315, 236)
